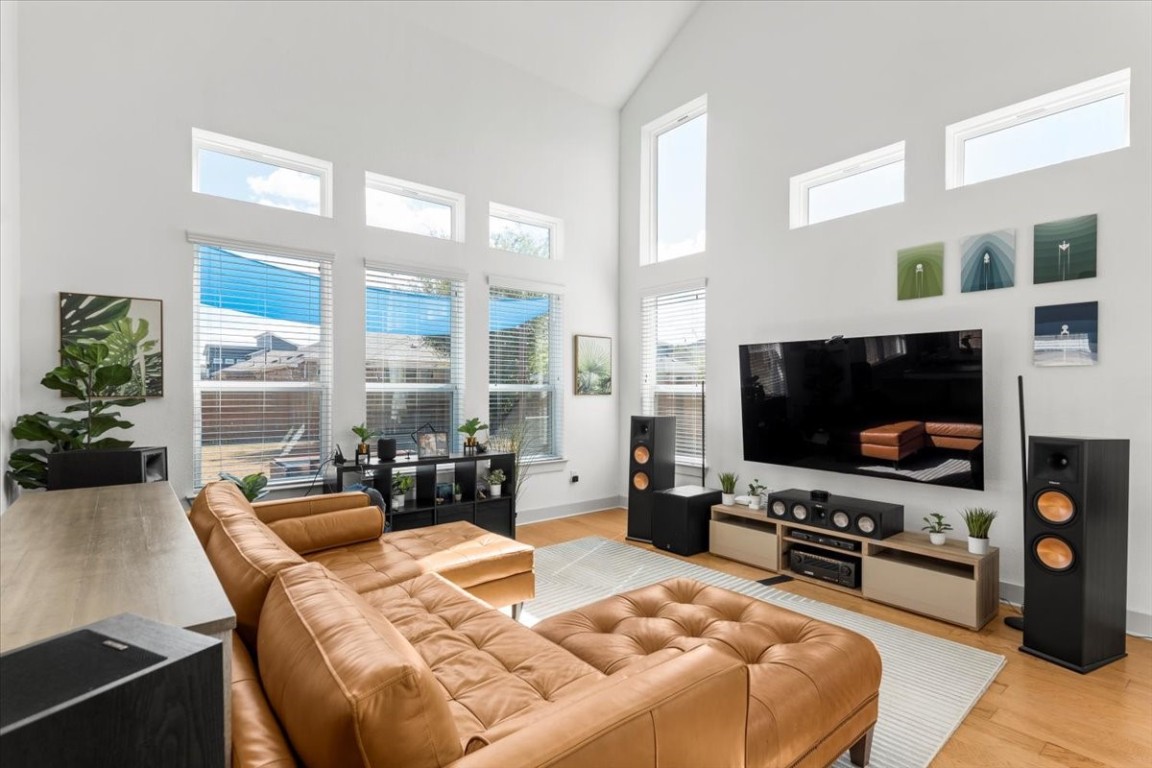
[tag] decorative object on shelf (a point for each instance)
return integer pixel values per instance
(1066, 335)
(132, 328)
(90, 374)
(469, 430)
(386, 449)
(755, 489)
(253, 486)
(432, 444)
(728, 487)
(457, 496)
(496, 482)
(401, 484)
(937, 527)
(920, 271)
(443, 493)
(978, 520)
(517, 438)
(1064, 250)
(363, 452)
(988, 261)
(593, 365)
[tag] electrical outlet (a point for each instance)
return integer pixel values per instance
(573, 477)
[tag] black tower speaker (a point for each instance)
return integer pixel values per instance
(1076, 551)
(125, 692)
(651, 468)
(90, 469)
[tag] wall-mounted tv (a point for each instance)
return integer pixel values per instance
(906, 407)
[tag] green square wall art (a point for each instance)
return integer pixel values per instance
(988, 261)
(920, 271)
(131, 328)
(1064, 250)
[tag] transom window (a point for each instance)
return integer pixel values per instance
(262, 357)
(237, 169)
(1079, 121)
(673, 343)
(520, 231)
(414, 344)
(871, 180)
(406, 206)
(673, 156)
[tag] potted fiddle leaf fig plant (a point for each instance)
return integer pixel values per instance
(978, 520)
(469, 430)
(936, 527)
(728, 487)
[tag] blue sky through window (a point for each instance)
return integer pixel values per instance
(681, 164)
(239, 178)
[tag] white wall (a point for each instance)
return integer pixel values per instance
(794, 86)
(111, 92)
(9, 240)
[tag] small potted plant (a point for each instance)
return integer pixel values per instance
(754, 491)
(937, 526)
(401, 484)
(728, 487)
(469, 430)
(456, 494)
(252, 486)
(495, 481)
(362, 450)
(978, 520)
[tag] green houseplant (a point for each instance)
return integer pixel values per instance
(978, 520)
(469, 430)
(496, 480)
(365, 435)
(401, 484)
(728, 486)
(87, 374)
(936, 527)
(253, 486)
(755, 488)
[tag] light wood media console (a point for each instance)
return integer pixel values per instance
(905, 570)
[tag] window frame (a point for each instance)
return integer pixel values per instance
(416, 191)
(262, 153)
(1082, 94)
(554, 225)
(800, 185)
(649, 176)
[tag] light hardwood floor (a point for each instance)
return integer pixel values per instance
(1034, 714)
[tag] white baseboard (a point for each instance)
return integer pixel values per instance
(525, 516)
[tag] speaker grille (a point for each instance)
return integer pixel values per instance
(1054, 553)
(640, 481)
(1055, 507)
(641, 454)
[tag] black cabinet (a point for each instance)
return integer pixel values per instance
(434, 501)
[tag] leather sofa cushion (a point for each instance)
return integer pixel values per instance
(217, 501)
(257, 741)
(304, 506)
(324, 530)
(348, 688)
(246, 555)
(893, 434)
(491, 667)
(463, 553)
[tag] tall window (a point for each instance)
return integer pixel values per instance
(525, 328)
(520, 231)
(1079, 121)
(410, 207)
(414, 343)
(673, 157)
(673, 339)
(225, 166)
(262, 356)
(861, 183)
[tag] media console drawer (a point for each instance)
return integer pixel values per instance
(940, 591)
(745, 542)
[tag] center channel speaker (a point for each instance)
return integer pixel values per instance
(651, 468)
(1076, 538)
(843, 514)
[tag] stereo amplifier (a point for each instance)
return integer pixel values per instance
(840, 571)
(828, 541)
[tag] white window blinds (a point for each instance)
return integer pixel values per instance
(262, 357)
(525, 360)
(414, 344)
(673, 340)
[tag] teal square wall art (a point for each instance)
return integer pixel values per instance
(1064, 250)
(920, 271)
(988, 261)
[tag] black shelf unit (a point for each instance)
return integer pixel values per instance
(497, 515)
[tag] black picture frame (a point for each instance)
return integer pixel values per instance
(431, 444)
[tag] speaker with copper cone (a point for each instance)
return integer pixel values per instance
(1076, 561)
(651, 468)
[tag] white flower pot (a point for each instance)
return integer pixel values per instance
(496, 490)
(398, 501)
(753, 502)
(977, 546)
(939, 538)
(728, 499)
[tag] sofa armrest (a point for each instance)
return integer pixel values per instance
(689, 711)
(325, 530)
(303, 506)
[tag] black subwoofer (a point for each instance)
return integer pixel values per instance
(1076, 543)
(651, 468)
(92, 469)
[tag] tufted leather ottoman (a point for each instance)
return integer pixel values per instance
(813, 686)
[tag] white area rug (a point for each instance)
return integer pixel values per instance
(928, 687)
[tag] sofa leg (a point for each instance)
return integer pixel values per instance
(516, 611)
(861, 752)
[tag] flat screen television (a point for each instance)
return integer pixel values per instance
(906, 407)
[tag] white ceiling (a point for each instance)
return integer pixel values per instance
(598, 49)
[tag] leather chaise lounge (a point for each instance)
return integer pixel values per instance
(352, 649)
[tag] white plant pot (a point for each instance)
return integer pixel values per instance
(977, 546)
(939, 538)
(728, 499)
(753, 502)
(496, 490)
(398, 501)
